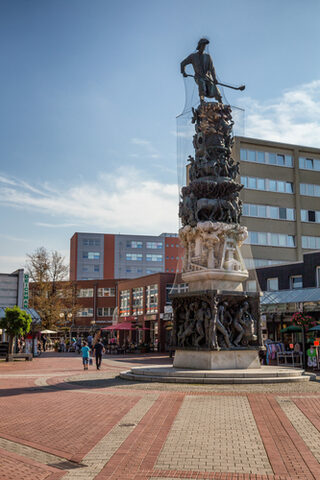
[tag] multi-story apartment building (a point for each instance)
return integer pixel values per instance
(97, 255)
(281, 200)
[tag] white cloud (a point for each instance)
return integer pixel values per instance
(148, 149)
(292, 118)
(8, 264)
(125, 201)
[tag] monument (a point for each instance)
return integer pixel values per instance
(216, 324)
(216, 331)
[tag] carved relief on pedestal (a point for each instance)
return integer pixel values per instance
(210, 246)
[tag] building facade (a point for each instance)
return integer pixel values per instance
(281, 200)
(12, 287)
(95, 256)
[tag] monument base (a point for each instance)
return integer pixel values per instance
(216, 360)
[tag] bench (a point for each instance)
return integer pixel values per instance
(13, 356)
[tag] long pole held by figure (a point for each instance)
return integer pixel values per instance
(242, 87)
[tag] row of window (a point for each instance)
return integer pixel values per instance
(261, 262)
(102, 292)
(309, 163)
(310, 242)
(86, 242)
(101, 312)
(138, 257)
(137, 296)
(266, 157)
(90, 268)
(271, 239)
(310, 190)
(91, 255)
(267, 184)
(148, 271)
(138, 244)
(266, 211)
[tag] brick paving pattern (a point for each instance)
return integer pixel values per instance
(61, 422)
(215, 434)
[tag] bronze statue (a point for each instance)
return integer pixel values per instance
(204, 72)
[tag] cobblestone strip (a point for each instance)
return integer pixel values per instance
(215, 434)
(287, 452)
(139, 452)
(37, 455)
(96, 459)
(307, 431)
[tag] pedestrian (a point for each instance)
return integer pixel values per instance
(44, 341)
(89, 340)
(78, 344)
(85, 350)
(99, 349)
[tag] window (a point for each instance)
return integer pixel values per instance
(96, 268)
(107, 292)
(154, 244)
(310, 242)
(296, 281)
(272, 284)
(309, 163)
(91, 242)
(85, 292)
(310, 216)
(265, 211)
(280, 159)
(271, 239)
(150, 257)
(310, 190)
(124, 303)
(318, 276)
(91, 255)
(152, 298)
(85, 312)
(105, 311)
(137, 301)
(153, 270)
(134, 244)
(85, 269)
(268, 185)
(251, 286)
(134, 257)
(282, 213)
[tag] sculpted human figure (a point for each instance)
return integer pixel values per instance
(188, 325)
(249, 322)
(199, 321)
(239, 326)
(204, 72)
(212, 336)
(223, 320)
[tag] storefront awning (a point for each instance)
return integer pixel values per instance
(36, 319)
(300, 295)
(120, 326)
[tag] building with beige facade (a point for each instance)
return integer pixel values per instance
(281, 200)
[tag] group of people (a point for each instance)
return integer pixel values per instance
(96, 349)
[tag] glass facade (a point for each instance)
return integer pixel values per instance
(152, 299)
(137, 301)
(134, 244)
(124, 303)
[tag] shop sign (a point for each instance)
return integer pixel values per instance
(150, 317)
(168, 309)
(25, 290)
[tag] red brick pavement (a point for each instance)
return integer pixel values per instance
(59, 421)
(13, 466)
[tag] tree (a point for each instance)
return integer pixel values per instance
(50, 293)
(16, 322)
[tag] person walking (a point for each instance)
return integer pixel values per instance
(85, 350)
(89, 340)
(98, 349)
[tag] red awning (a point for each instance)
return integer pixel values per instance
(120, 326)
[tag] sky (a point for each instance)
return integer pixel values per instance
(90, 91)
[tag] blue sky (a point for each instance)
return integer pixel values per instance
(89, 94)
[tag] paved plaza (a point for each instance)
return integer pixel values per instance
(58, 421)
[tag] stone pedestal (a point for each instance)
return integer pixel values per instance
(214, 360)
